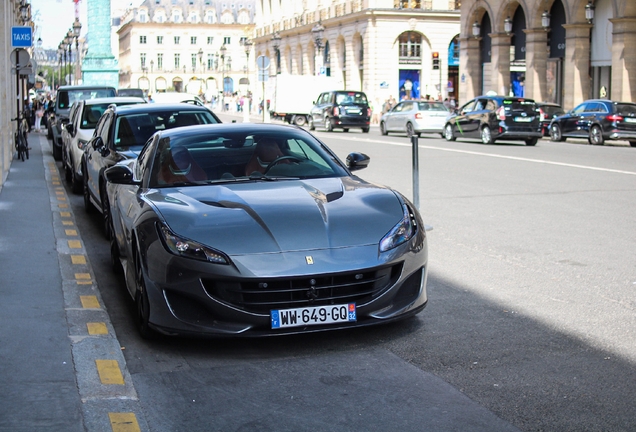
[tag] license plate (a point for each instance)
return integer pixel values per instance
(630, 120)
(523, 119)
(315, 315)
(353, 111)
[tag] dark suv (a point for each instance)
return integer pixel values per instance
(597, 120)
(492, 118)
(341, 109)
(65, 97)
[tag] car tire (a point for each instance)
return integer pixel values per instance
(310, 122)
(532, 141)
(57, 152)
(76, 184)
(383, 130)
(596, 136)
(448, 132)
(346, 129)
(328, 125)
(105, 211)
(299, 120)
(486, 135)
(142, 303)
(555, 133)
(365, 130)
(632, 143)
(409, 130)
(68, 171)
(88, 205)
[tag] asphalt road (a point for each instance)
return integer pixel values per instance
(530, 322)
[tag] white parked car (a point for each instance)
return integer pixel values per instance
(414, 118)
(83, 118)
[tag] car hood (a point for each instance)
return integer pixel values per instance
(280, 216)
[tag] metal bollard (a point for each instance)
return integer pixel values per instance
(416, 172)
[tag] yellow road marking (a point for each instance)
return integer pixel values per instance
(56, 182)
(59, 192)
(84, 276)
(109, 372)
(89, 302)
(70, 232)
(97, 328)
(74, 244)
(65, 214)
(123, 422)
(67, 223)
(61, 198)
(62, 205)
(78, 259)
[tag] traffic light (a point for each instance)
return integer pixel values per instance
(435, 60)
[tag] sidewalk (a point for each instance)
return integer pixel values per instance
(39, 389)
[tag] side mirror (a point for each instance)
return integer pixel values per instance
(357, 161)
(120, 174)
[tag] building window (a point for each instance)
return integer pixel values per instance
(160, 61)
(226, 40)
(210, 61)
(243, 17)
(210, 40)
(177, 61)
(142, 40)
(159, 40)
(143, 17)
(408, 4)
(411, 47)
(209, 17)
(193, 40)
(193, 59)
(142, 58)
(227, 18)
(177, 39)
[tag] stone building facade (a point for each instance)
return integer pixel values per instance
(376, 46)
(549, 50)
(186, 46)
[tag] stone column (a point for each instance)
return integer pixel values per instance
(500, 62)
(100, 67)
(536, 63)
(470, 69)
(576, 65)
(623, 61)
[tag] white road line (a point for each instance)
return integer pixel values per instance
(547, 162)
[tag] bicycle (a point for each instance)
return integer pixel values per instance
(20, 139)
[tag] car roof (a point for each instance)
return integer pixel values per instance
(85, 87)
(155, 107)
(114, 99)
(253, 128)
(500, 98)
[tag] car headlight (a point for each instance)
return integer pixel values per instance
(400, 233)
(189, 249)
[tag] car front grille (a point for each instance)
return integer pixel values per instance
(263, 295)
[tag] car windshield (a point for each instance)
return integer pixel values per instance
(351, 98)
(66, 98)
(92, 113)
(135, 129)
(428, 106)
(234, 157)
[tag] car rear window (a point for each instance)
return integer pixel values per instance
(345, 98)
(519, 104)
(427, 106)
(550, 110)
(66, 98)
(92, 113)
(626, 109)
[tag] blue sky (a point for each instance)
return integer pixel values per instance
(53, 18)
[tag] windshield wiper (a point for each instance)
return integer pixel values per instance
(255, 176)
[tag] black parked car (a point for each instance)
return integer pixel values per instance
(548, 111)
(341, 109)
(597, 120)
(121, 133)
(492, 118)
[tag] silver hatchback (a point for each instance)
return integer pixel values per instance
(414, 118)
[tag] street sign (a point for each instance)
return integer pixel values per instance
(262, 62)
(263, 76)
(21, 37)
(20, 58)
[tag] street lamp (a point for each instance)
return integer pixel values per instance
(589, 12)
(152, 65)
(508, 25)
(69, 45)
(25, 12)
(60, 53)
(247, 45)
(223, 49)
(476, 29)
(545, 20)
(317, 31)
(276, 43)
(77, 28)
(200, 54)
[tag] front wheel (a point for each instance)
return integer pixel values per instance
(596, 136)
(383, 130)
(448, 133)
(142, 303)
(88, 205)
(555, 133)
(409, 130)
(486, 135)
(299, 120)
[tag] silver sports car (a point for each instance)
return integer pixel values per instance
(259, 229)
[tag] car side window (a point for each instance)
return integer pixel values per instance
(105, 128)
(143, 161)
(468, 107)
(580, 109)
(490, 105)
(399, 107)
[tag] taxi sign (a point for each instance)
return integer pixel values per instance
(21, 37)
